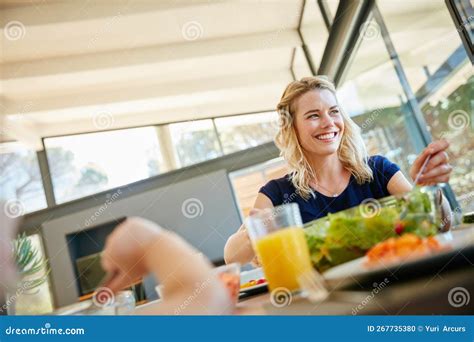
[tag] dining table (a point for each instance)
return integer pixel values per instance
(421, 292)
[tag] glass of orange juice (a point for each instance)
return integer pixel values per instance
(278, 239)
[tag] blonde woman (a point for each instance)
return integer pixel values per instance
(329, 166)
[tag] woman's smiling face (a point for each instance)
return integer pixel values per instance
(318, 121)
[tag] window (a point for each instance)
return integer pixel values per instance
(314, 31)
(462, 12)
(451, 116)
(442, 77)
(85, 164)
(243, 131)
(423, 46)
(194, 142)
(20, 179)
(372, 95)
(248, 181)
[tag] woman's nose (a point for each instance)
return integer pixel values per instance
(327, 120)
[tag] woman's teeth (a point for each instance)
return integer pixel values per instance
(326, 136)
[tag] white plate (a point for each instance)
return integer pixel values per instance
(251, 288)
(356, 269)
(255, 274)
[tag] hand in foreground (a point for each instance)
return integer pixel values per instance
(138, 247)
(124, 257)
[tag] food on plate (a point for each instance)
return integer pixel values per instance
(349, 234)
(402, 248)
(253, 282)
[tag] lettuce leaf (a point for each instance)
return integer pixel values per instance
(346, 235)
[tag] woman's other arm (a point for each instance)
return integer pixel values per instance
(238, 247)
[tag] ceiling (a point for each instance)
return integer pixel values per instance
(142, 62)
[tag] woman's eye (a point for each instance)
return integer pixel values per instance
(313, 116)
(334, 112)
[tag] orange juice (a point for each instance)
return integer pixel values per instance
(284, 256)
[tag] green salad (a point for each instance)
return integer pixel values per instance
(346, 235)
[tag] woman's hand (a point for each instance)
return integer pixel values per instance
(239, 247)
(438, 169)
(255, 261)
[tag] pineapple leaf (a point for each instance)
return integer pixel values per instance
(33, 269)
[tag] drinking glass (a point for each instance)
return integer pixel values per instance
(279, 241)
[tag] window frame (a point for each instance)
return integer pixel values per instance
(45, 171)
(462, 30)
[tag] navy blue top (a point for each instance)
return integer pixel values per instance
(281, 191)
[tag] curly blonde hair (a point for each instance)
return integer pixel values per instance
(351, 152)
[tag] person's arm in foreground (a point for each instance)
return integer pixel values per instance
(137, 247)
